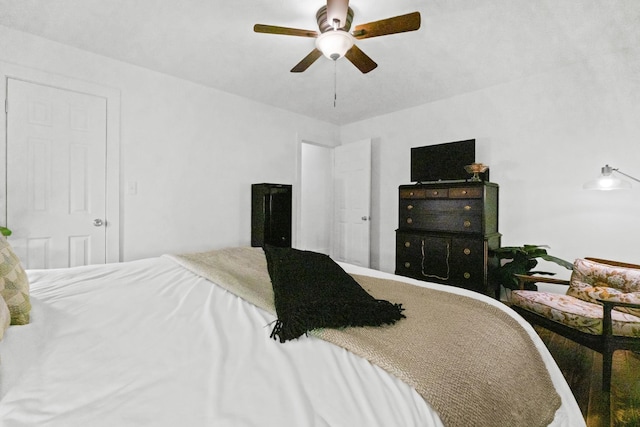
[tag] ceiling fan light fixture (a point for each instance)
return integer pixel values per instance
(334, 44)
(335, 39)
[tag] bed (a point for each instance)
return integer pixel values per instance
(156, 342)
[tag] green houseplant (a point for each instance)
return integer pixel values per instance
(510, 260)
(5, 231)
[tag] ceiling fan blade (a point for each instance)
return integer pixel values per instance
(307, 61)
(285, 31)
(360, 59)
(337, 10)
(398, 24)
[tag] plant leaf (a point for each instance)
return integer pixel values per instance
(523, 259)
(563, 263)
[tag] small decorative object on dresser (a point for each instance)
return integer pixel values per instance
(445, 233)
(476, 169)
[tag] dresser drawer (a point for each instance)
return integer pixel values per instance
(457, 223)
(423, 193)
(466, 193)
(441, 207)
(467, 251)
(467, 263)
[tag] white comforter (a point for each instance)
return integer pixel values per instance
(148, 343)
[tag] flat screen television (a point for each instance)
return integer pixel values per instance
(442, 162)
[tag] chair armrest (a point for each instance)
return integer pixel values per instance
(607, 306)
(614, 263)
(612, 304)
(523, 278)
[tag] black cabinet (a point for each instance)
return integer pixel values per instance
(271, 215)
(446, 231)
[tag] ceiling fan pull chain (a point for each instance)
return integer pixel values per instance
(335, 83)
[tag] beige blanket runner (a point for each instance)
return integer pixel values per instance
(473, 363)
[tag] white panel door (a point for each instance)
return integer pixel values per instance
(352, 203)
(56, 164)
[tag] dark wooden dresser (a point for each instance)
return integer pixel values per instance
(446, 231)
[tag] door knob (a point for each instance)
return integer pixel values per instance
(364, 218)
(98, 222)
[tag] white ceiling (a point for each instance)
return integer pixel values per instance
(462, 46)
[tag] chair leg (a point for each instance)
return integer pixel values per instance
(607, 363)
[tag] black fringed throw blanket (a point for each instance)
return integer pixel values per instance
(311, 291)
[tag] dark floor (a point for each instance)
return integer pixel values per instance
(582, 369)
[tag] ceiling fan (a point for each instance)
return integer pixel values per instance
(334, 39)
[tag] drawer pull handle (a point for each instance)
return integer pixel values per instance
(411, 193)
(464, 191)
(467, 208)
(467, 275)
(467, 224)
(467, 251)
(409, 207)
(409, 221)
(407, 244)
(407, 264)
(435, 193)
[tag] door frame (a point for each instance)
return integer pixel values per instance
(300, 197)
(112, 190)
(297, 188)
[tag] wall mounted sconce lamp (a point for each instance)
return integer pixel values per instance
(606, 181)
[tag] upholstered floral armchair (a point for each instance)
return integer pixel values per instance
(601, 308)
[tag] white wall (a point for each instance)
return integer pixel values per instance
(192, 151)
(543, 137)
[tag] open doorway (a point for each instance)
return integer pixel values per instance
(334, 199)
(315, 197)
